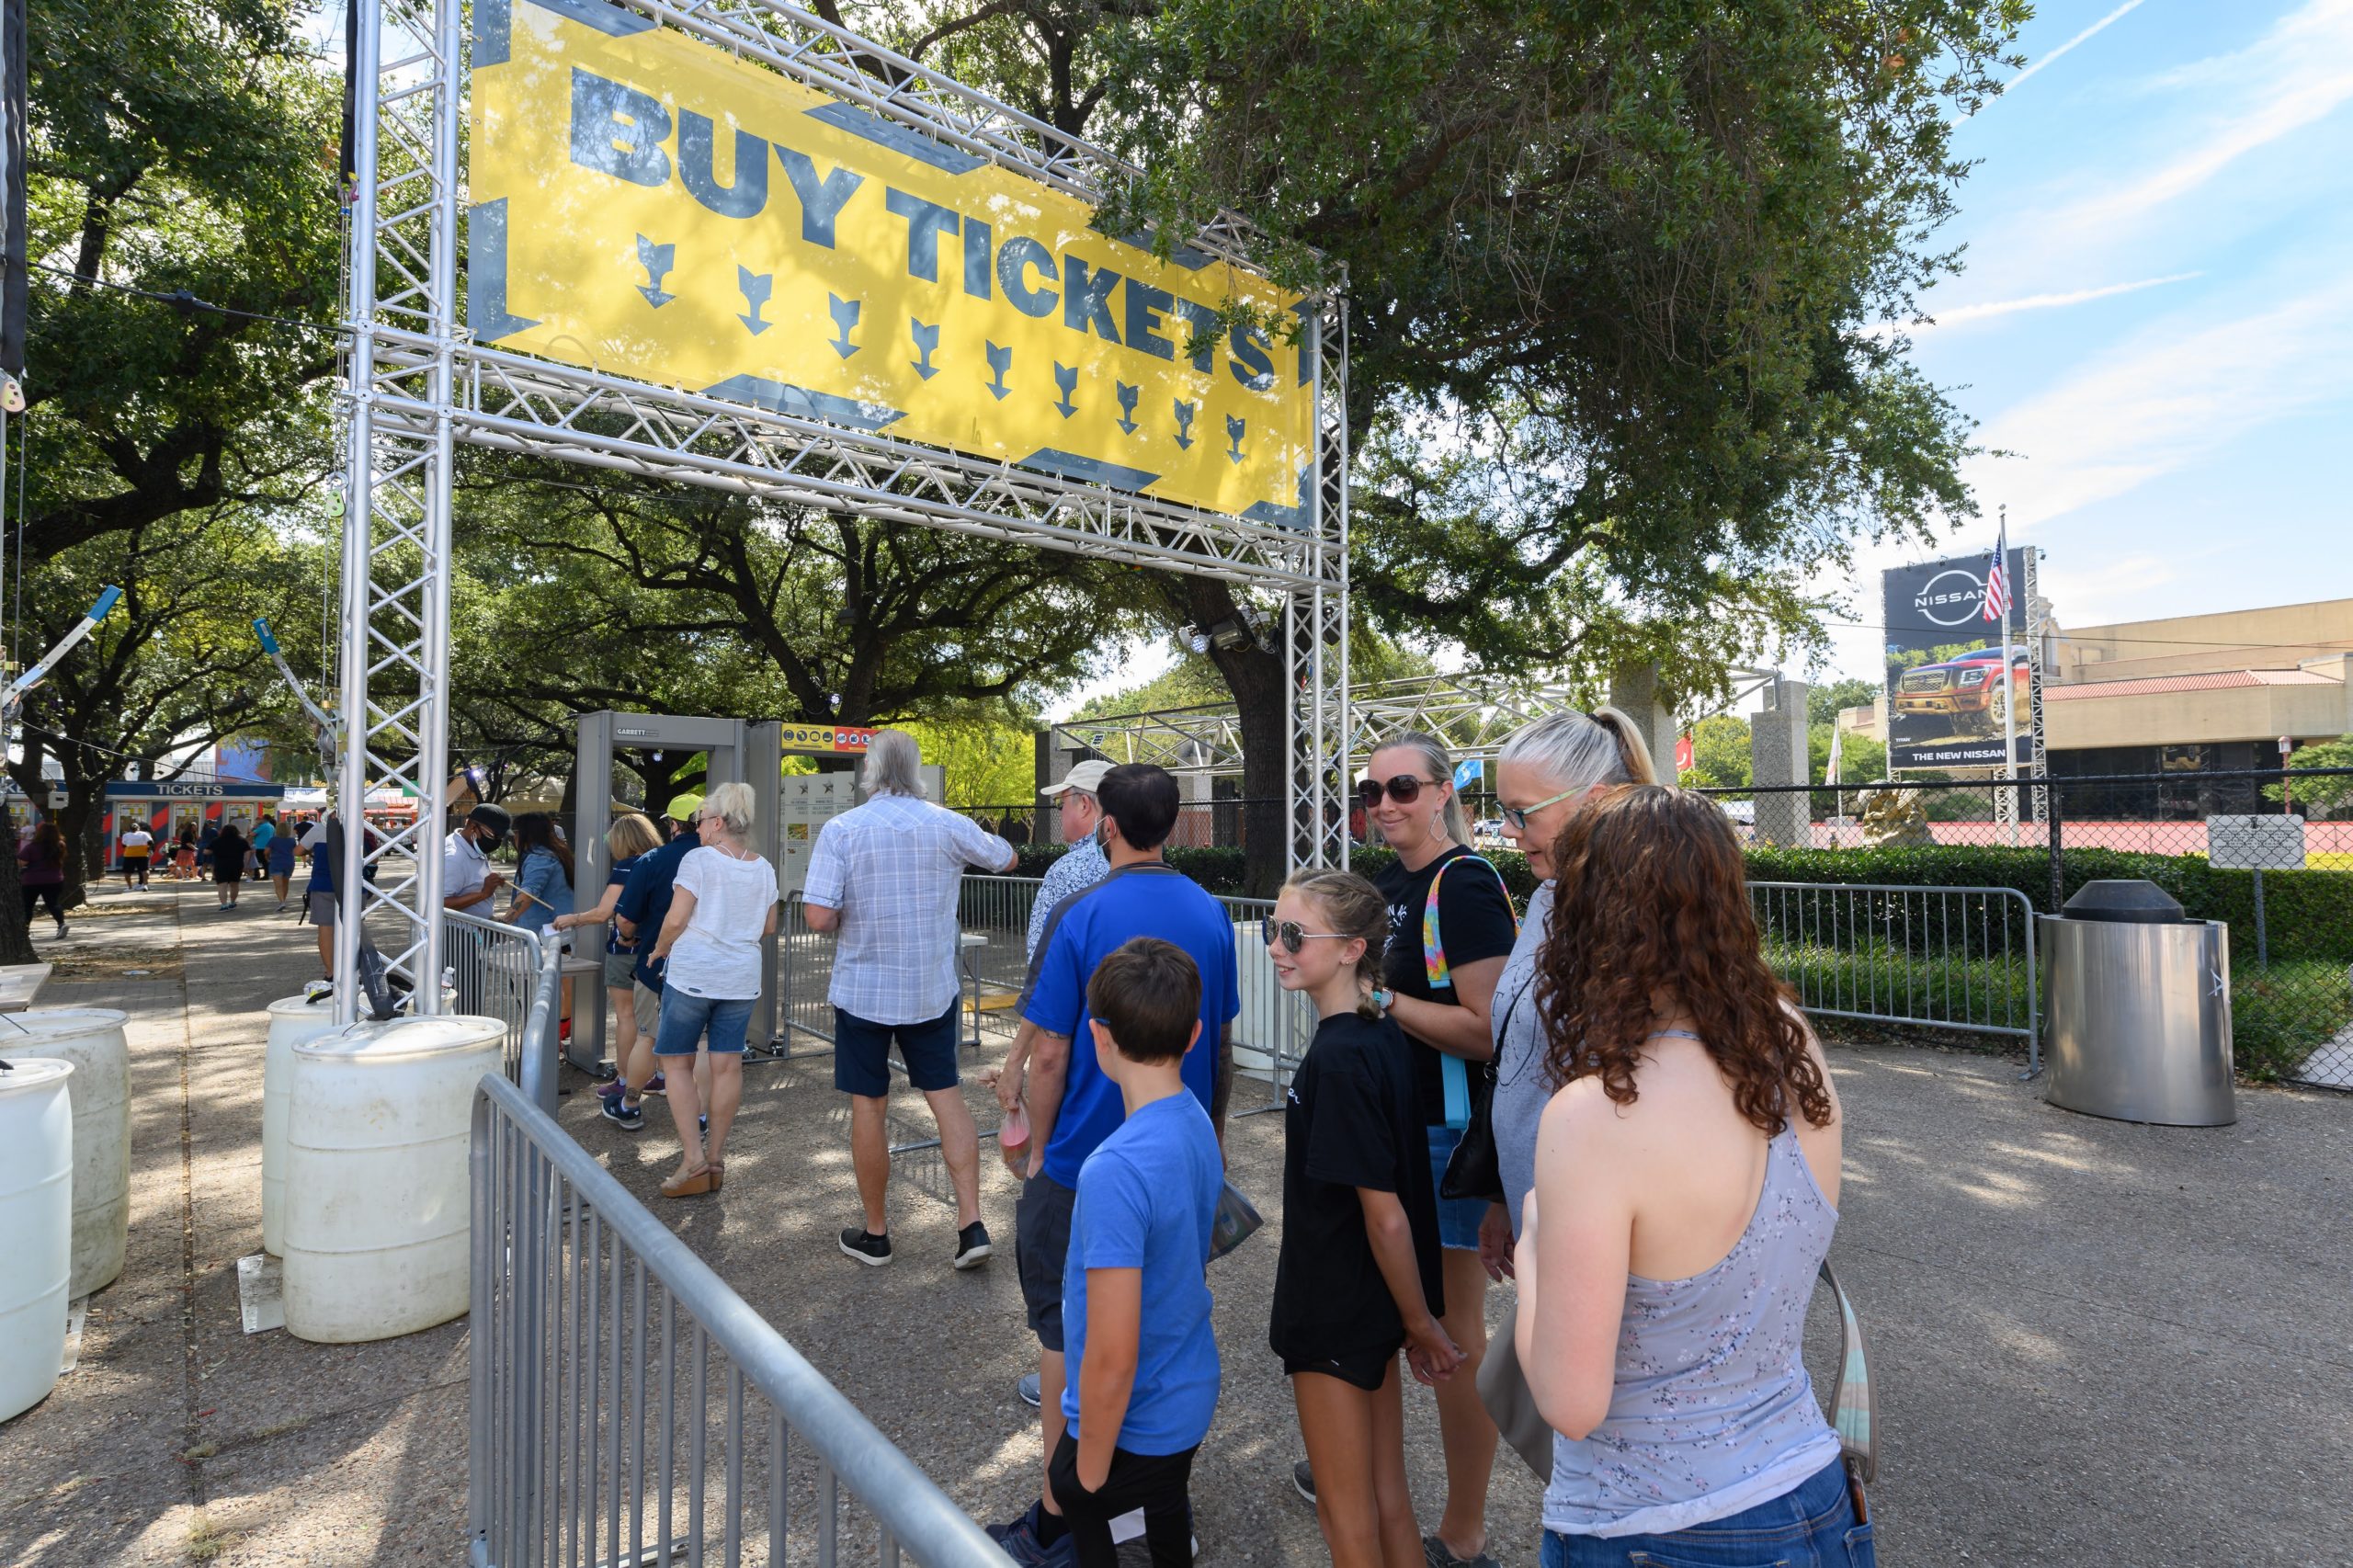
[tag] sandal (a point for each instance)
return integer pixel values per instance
(718, 1175)
(691, 1184)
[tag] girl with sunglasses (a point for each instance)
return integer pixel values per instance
(1450, 929)
(1357, 1277)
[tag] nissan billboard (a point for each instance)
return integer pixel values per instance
(1946, 701)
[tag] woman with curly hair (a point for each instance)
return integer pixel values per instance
(1687, 1185)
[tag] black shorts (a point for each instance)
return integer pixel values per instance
(1041, 1248)
(862, 1054)
(1367, 1370)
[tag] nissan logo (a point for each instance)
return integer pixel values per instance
(1951, 597)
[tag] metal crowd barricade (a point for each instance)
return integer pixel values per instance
(493, 968)
(1959, 958)
(626, 1406)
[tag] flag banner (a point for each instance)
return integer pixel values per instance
(1946, 700)
(647, 205)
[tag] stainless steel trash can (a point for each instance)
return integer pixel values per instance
(2139, 1008)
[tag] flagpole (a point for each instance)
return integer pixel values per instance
(2009, 683)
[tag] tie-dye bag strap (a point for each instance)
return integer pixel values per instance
(1852, 1410)
(1453, 1076)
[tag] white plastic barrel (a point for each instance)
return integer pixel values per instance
(36, 1219)
(377, 1208)
(91, 1039)
(292, 1020)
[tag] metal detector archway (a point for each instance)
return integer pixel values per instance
(424, 374)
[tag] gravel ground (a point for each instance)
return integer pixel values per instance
(2094, 1342)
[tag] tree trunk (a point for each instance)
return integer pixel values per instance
(1254, 676)
(85, 853)
(15, 939)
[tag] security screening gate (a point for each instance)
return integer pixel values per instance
(933, 371)
(737, 751)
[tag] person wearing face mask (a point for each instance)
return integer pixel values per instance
(466, 877)
(1450, 927)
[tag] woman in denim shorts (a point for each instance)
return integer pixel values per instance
(724, 904)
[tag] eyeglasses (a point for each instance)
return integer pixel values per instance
(1291, 934)
(1404, 790)
(1516, 816)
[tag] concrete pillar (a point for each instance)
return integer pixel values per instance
(1777, 754)
(1635, 691)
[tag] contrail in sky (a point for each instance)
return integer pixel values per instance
(2100, 25)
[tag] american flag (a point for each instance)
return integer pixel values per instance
(1998, 577)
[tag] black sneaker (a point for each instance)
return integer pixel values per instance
(973, 1245)
(867, 1247)
(621, 1114)
(1303, 1478)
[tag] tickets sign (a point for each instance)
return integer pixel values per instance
(651, 206)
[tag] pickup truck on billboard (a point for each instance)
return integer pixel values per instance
(1965, 691)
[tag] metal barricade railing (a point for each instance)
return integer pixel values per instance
(493, 967)
(626, 1406)
(1959, 958)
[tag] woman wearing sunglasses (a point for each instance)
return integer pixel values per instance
(1450, 927)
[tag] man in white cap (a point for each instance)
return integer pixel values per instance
(1082, 865)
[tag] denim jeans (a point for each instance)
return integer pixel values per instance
(1811, 1526)
(685, 1017)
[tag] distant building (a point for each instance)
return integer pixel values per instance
(2188, 695)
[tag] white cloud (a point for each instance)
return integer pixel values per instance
(2169, 399)
(2295, 75)
(1958, 315)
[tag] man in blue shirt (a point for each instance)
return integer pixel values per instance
(645, 904)
(1145, 1383)
(1073, 1106)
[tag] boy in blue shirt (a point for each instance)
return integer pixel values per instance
(1145, 1383)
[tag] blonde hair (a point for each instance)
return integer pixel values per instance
(894, 765)
(1577, 750)
(730, 805)
(1454, 821)
(632, 833)
(1352, 907)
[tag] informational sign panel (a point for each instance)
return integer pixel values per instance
(1945, 694)
(2255, 844)
(824, 738)
(651, 206)
(809, 800)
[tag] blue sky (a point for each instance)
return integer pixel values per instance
(2156, 311)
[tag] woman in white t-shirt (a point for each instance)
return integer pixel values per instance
(725, 902)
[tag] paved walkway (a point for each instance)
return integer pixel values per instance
(2096, 1343)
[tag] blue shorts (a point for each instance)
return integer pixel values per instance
(1457, 1218)
(862, 1054)
(687, 1018)
(1813, 1522)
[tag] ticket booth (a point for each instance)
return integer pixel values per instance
(164, 805)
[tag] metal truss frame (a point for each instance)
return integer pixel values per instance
(1474, 716)
(2005, 801)
(417, 385)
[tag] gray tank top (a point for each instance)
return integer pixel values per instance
(1713, 1412)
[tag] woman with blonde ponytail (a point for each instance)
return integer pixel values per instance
(1358, 1278)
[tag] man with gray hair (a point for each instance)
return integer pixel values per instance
(885, 876)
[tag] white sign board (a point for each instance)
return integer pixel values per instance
(2255, 844)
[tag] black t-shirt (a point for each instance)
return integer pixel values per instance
(1475, 922)
(1349, 1122)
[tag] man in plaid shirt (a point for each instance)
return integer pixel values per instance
(885, 876)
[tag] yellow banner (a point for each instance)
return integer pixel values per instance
(649, 206)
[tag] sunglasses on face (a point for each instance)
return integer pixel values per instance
(1516, 816)
(1404, 790)
(1290, 934)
